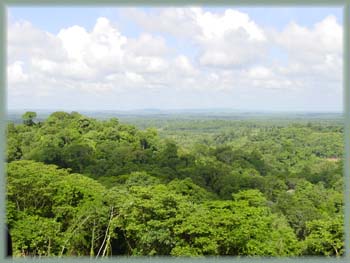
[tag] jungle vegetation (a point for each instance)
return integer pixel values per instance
(81, 186)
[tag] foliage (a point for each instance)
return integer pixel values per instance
(192, 187)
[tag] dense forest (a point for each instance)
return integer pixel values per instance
(82, 186)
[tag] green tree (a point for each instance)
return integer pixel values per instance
(28, 118)
(52, 212)
(325, 237)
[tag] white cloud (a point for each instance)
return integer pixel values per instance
(74, 40)
(307, 43)
(101, 49)
(260, 72)
(229, 52)
(216, 26)
(314, 55)
(146, 64)
(25, 41)
(137, 78)
(219, 37)
(147, 45)
(178, 22)
(15, 73)
(184, 66)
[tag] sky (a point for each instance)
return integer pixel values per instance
(110, 58)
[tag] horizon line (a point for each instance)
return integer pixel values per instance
(178, 109)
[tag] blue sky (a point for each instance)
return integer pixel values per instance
(52, 19)
(247, 58)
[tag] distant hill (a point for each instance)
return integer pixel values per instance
(217, 113)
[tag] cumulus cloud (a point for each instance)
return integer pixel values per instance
(26, 41)
(314, 56)
(15, 73)
(184, 66)
(308, 44)
(225, 51)
(219, 37)
(102, 49)
(147, 45)
(178, 22)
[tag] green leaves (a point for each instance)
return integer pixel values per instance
(236, 228)
(28, 118)
(325, 237)
(36, 235)
(60, 204)
(256, 189)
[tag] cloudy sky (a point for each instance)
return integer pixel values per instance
(278, 59)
